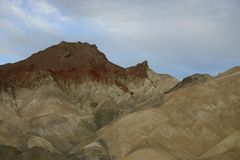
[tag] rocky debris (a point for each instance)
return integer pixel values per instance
(122, 86)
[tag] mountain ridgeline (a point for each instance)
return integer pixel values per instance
(69, 102)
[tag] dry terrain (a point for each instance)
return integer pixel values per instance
(69, 102)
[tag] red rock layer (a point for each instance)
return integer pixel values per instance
(71, 61)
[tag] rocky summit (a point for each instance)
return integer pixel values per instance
(69, 102)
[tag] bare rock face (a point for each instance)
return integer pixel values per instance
(140, 70)
(69, 102)
(191, 80)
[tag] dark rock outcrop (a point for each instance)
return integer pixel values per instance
(190, 80)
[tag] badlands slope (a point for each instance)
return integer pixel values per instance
(69, 102)
(197, 122)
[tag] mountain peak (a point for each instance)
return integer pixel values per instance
(74, 61)
(138, 71)
(81, 49)
(145, 63)
(63, 60)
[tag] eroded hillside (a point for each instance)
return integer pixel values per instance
(70, 102)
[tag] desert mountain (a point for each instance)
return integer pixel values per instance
(70, 102)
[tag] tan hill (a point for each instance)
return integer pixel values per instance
(198, 121)
(61, 96)
(228, 148)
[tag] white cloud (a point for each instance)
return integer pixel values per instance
(37, 15)
(26, 26)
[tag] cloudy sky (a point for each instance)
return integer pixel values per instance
(179, 37)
